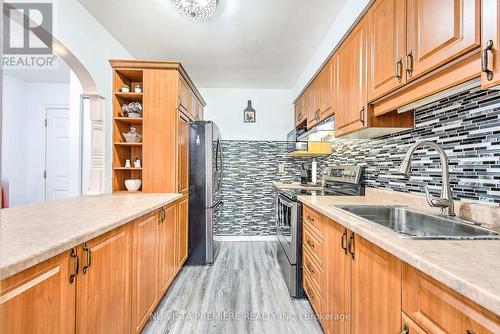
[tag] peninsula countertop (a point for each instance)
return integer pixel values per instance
(34, 233)
(470, 267)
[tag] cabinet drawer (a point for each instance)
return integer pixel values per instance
(313, 295)
(314, 246)
(314, 220)
(409, 326)
(315, 272)
(436, 308)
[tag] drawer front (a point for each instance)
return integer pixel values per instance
(314, 246)
(436, 308)
(409, 326)
(315, 273)
(312, 295)
(314, 221)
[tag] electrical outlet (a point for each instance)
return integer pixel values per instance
(281, 168)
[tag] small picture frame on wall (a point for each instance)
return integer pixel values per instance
(249, 113)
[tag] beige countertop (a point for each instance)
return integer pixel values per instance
(470, 267)
(281, 185)
(34, 233)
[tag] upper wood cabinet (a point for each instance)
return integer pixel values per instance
(326, 90)
(40, 300)
(300, 115)
(350, 96)
(437, 309)
(182, 153)
(313, 105)
(490, 43)
(183, 95)
(387, 47)
(145, 289)
(439, 32)
(104, 285)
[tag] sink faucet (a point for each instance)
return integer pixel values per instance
(445, 201)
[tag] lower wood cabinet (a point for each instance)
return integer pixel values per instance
(103, 284)
(110, 284)
(40, 299)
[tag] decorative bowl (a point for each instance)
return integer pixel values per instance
(134, 115)
(133, 184)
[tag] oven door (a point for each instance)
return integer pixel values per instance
(286, 227)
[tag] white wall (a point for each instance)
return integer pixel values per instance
(23, 136)
(274, 112)
(93, 45)
(347, 16)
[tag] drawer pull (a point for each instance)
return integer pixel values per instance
(470, 332)
(310, 219)
(406, 330)
(311, 270)
(409, 63)
(310, 243)
(484, 60)
(73, 255)
(89, 258)
(343, 241)
(310, 293)
(399, 70)
(351, 245)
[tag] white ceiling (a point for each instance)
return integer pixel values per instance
(247, 44)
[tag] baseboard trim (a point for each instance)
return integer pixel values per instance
(245, 238)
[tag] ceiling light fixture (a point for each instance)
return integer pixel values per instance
(196, 10)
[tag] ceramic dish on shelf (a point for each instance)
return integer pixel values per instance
(133, 184)
(132, 136)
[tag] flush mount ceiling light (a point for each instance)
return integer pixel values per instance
(196, 10)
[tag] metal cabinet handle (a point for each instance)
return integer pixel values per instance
(409, 63)
(310, 243)
(362, 115)
(343, 241)
(406, 330)
(310, 219)
(161, 217)
(484, 60)
(310, 294)
(469, 331)
(89, 258)
(399, 69)
(311, 270)
(73, 255)
(351, 245)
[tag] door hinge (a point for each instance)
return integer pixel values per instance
(45, 122)
(44, 174)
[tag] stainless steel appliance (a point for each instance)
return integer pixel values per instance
(338, 181)
(293, 144)
(206, 164)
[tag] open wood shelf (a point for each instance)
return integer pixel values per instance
(129, 120)
(127, 144)
(129, 96)
(127, 168)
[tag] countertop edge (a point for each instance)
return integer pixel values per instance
(45, 254)
(481, 297)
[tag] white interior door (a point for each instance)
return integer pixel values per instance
(57, 154)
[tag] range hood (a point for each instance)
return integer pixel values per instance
(321, 132)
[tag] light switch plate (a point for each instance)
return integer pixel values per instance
(281, 168)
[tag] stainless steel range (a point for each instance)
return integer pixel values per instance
(341, 180)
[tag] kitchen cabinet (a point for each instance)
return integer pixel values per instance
(386, 47)
(181, 241)
(183, 95)
(437, 309)
(103, 297)
(166, 248)
(439, 32)
(182, 153)
(351, 89)
(326, 89)
(300, 114)
(41, 299)
(490, 43)
(375, 288)
(145, 289)
(313, 105)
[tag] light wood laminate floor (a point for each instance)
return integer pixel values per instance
(243, 292)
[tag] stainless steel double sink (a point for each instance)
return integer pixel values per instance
(418, 225)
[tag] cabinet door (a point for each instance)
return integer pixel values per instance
(145, 270)
(103, 287)
(350, 97)
(440, 31)
(490, 43)
(326, 90)
(313, 105)
(183, 94)
(437, 309)
(182, 153)
(166, 249)
(181, 234)
(299, 111)
(39, 300)
(339, 275)
(386, 47)
(375, 289)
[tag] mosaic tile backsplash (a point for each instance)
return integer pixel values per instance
(467, 125)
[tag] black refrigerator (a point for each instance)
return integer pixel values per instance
(206, 166)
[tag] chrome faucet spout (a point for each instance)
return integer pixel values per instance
(445, 201)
